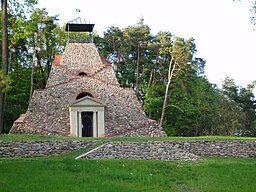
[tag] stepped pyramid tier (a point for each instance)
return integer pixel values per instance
(83, 98)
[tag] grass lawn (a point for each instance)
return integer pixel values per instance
(63, 173)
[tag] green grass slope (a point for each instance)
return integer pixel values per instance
(63, 173)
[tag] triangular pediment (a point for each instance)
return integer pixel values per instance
(87, 101)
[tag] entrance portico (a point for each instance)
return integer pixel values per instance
(87, 118)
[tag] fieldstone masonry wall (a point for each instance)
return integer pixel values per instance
(141, 151)
(174, 150)
(81, 57)
(21, 149)
(165, 150)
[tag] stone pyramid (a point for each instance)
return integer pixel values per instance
(83, 98)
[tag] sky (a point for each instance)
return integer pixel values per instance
(222, 30)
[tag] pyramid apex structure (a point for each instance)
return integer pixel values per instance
(83, 98)
(79, 25)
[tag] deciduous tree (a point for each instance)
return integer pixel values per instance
(4, 67)
(15, 9)
(181, 53)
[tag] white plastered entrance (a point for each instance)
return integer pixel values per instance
(87, 104)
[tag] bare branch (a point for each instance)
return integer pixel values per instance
(176, 108)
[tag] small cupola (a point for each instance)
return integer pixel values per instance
(79, 25)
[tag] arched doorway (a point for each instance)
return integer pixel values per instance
(87, 124)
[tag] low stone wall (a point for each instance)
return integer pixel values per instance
(157, 150)
(141, 151)
(174, 150)
(234, 148)
(21, 149)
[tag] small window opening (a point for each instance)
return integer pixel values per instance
(84, 94)
(82, 74)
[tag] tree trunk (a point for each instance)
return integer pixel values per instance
(42, 71)
(32, 72)
(150, 78)
(4, 58)
(138, 72)
(48, 68)
(170, 75)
